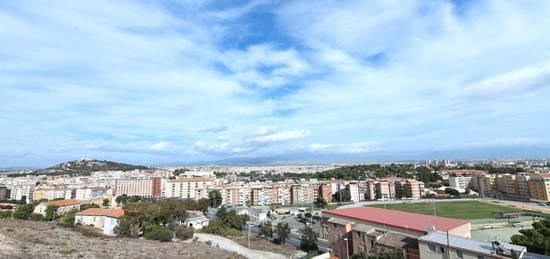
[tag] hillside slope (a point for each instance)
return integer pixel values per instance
(32, 239)
(85, 166)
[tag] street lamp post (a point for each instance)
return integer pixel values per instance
(347, 247)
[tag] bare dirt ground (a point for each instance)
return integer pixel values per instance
(30, 239)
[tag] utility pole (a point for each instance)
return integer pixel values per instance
(435, 211)
(249, 235)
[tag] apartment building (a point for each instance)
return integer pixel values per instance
(353, 189)
(4, 193)
(302, 193)
(230, 195)
(539, 187)
(137, 187)
(187, 188)
(409, 188)
(485, 184)
(460, 182)
(371, 230)
(264, 196)
(92, 193)
(244, 195)
(385, 190)
(52, 193)
(19, 191)
(514, 186)
(283, 194)
(325, 191)
(370, 191)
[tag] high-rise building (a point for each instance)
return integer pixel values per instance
(187, 188)
(539, 187)
(4, 193)
(18, 191)
(137, 187)
(325, 191)
(303, 194)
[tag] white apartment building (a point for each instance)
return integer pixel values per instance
(283, 195)
(18, 191)
(354, 192)
(187, 188)
(460, 182)
(92, 193)
(52, 193)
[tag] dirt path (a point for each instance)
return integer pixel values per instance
(230, 245)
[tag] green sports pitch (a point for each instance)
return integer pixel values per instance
(452, 209)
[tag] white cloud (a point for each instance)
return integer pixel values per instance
(516, 82)
(160, 146)
(281, 136)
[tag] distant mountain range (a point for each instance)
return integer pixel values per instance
(85, 166)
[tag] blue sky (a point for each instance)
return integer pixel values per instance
(158, 82)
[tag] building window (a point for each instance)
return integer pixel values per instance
(431, 248)
(459, 255)
(371, 244)
(480, 257)
(442, 249)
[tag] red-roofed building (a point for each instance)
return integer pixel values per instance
(371, 230)
(104, 219)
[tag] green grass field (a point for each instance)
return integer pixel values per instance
(454, 209)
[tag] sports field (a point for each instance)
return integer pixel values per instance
(453, 209)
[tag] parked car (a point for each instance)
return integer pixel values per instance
(487, 227)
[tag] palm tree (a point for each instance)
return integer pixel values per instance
(283, 231)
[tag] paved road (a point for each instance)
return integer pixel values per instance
(293, 239)
(230, 245)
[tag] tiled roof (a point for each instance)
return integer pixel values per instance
(62, 203)
(398, 219)
(102, 212)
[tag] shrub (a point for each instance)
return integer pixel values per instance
(156, 232)
(37, 217)
(184, 233)
(5, 214)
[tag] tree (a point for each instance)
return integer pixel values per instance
(344, 194)
(51, 211)
(320, 202)
(23, 200)
(137, 217)
(183, 232)
(156, 232)
(68, 219)
(308, 240)
(122, 199)
(23, 211)
(452, 191)
(283, 231)
(172, 213)
(214, 198)
(406, 191)
(536, 240)
(88, 206)
(266, 229)
(106, 203)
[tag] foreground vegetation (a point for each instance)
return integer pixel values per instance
(452, 209)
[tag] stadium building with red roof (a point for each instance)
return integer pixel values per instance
(372, 230)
